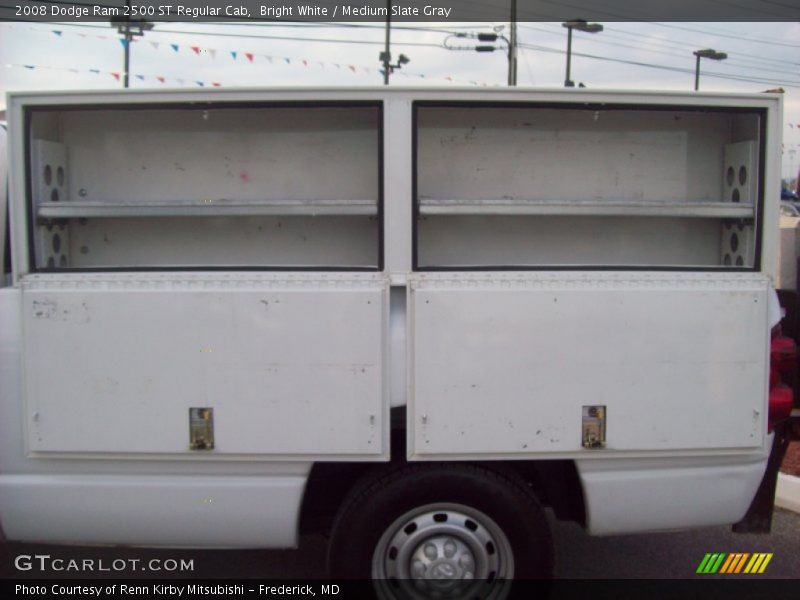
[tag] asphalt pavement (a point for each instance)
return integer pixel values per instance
(672, 555)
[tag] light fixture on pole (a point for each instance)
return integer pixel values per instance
(580, 25)
(388, 67)
(385, 57)
(709, 53)
(129, 28)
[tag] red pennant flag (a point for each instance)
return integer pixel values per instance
(249, 56)
(115, 76)
(215, 84)
(161, 79)
(305, 62)
(196, 49)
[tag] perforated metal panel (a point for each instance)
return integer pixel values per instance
(49, 184)
(739, 185)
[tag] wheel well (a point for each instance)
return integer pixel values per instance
(555, 482)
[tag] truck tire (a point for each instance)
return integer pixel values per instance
(443, 531)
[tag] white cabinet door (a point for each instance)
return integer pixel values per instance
(504, 364)
(292, 364)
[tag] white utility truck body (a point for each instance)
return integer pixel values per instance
(215, 293)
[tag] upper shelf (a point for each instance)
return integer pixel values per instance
(207, 208)
(621, 208)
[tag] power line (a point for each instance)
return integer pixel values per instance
(596, 40)
(264, 37)
(729, 36)
(751, 8)
(793, 84)
(733, 77)
(781, 4)
(296, 39)
(615, 33)
(684, 46)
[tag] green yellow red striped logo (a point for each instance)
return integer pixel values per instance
(735, 562)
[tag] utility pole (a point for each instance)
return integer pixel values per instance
(129, 29)
(512, 46)
(128, 36)
(386, 56)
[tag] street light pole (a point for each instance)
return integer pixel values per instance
(568, 81)
(580, 25)
(705, 53)
(697, 72)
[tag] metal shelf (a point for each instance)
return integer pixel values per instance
(621, 208)
(207, 208)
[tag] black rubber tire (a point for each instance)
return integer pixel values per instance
(376, 502)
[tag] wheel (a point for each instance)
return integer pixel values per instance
(441, 531)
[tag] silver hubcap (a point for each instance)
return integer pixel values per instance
(443, 557)
(441, 551)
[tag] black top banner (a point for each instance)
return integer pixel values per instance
(400, 10)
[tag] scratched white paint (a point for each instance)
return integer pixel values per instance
(113, 365)
(504, 363)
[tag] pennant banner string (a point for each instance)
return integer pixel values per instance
(251, 56)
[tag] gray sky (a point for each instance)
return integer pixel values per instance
(760, 56)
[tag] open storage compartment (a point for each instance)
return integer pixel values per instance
(288, 186)
(586, 186)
